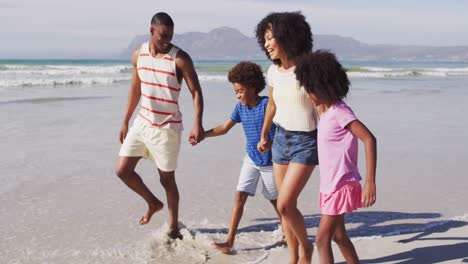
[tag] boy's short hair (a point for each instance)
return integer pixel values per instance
(248, 74)
(321, 74)
(290, 30)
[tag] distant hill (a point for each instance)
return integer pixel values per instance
(229, 43)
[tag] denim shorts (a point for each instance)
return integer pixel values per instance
(294, 146)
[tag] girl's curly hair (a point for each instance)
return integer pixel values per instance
(290, 30)
(320, 73)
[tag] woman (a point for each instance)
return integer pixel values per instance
(284, 37)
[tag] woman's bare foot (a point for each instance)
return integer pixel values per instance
(306, 258)
(225, 247)
(152, 208)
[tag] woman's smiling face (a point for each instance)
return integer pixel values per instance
(272, 47)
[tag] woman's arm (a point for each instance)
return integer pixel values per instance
(265, 142)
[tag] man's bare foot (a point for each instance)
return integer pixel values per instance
(306, 258)
(152, 208)
(225, 247)
(174, 234)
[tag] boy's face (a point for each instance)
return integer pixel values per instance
(244, 94)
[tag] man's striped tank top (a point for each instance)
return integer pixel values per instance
(160, 89)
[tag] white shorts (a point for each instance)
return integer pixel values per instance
(160, 145)
(249, 176)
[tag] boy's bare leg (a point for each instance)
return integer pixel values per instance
(126, 172)
(167, 179)
(274, 203)
(237, 211)
(275, 206)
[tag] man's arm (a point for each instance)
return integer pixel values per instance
(187, 70)
(134, 95)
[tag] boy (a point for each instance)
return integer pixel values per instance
(248, 81)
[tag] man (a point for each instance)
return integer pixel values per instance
(158, 69)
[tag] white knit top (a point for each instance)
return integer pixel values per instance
(295, 111)
(160, 89)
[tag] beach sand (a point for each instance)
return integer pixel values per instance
(62, 203)
(447, 243)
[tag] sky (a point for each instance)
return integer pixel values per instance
(102, 28)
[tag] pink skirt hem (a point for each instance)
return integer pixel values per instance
(344, 200)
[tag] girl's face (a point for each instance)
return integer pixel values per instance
(245, 94)
(273, 48)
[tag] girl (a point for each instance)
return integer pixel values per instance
(340, 191)
(284, 37)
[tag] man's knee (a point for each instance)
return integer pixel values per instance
(126, 167)
(122, 171)
(167, 180)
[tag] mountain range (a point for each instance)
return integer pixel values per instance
(226, 43)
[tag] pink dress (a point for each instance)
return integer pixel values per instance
(340, 189)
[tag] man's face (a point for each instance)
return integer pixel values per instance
(161, 36)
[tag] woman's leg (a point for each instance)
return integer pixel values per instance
(279, 171)
(293, 182)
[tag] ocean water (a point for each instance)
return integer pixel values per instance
(25, 73)
(61, 202)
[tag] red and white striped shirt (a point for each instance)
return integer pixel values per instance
(160, 89)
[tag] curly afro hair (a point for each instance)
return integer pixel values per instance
(290, 30)
(321, 74)
(248, 74)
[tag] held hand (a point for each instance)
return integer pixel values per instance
(264, 145)
(123, 133)
(197, 134)
(368, 195)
